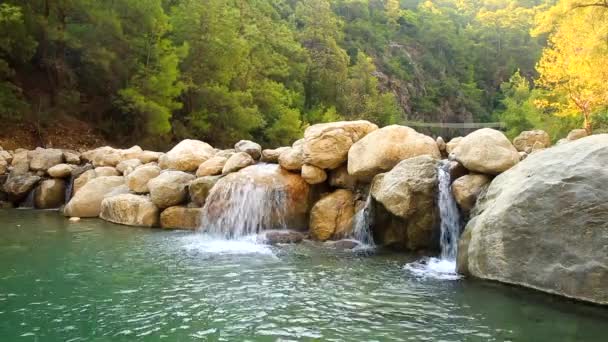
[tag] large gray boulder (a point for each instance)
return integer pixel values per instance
(87, 201)
(326, 145)
(408, 192)
(486, 151)
(381, 150)
(130, 210)
(169, 188)
(544, 223)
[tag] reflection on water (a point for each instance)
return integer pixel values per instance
(92, 280)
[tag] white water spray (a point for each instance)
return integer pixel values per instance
(445, 266)
(362, 225)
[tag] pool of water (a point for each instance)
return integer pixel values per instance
(95, 281)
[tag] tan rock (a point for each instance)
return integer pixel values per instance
(467, 188)
(86, 202)
(212, 166)
(332, 216)
(339, 178)
(526, 141)
(200, 187)
(181, 218)
(137, 181)
(249, 147)
(83, 179)
(149, 156)
(382, 149)
(450, 146)
(313, 175)
(71, 157)
(17, 187)
(169, 188)
(486, 151)
(186, 156)
(3, 166)
(109, 156)
(127, 166)
(272, 155)
(238, 161)
(576, 134)
(61, 170)
(130, 210)
(326, 145)
(106, 171)
(50, 194)
(42, 159)
(441, 145)
(292, 158)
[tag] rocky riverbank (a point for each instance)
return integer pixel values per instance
(540, 220)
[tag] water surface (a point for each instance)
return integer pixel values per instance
(95, 281)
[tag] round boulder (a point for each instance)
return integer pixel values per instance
(236, 162)
(186, 156)
(292, 158)
(528, 141)
(251, 148)
(313, 175)
(466, 189)
(332, 216)
(61, 170)
(130, 210)
(86, 202)
(50, 194)
(181, 218)
(137, 181)
(486, 151)
(169, 188)
(212, 166)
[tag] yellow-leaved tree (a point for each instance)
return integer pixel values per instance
(574, 65)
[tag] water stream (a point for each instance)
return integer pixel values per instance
(28, 202)
(362, 224)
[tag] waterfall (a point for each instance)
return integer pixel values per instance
(28, 203)
(68, 189)
(362, 225)
(245, 204)
(444, 267)
(449, 214)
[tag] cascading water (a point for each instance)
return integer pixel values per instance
(68, 189)
(28, 202)
(362, 225)
(445, 266)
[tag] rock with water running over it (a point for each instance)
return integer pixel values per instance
(382, 149)
(42, 159)
(200, 187)
(212, 166)
(486, 151)
(251, 148)
(86, 202)
(130, 210)
(169, 188)
(263, 195)
(326, 145)
(180, 217)
(236, 162)
(542, 224)
(61, 170)
(408, 192)
(292, 158)
(281, 236)
(529, 141)
(272, 155)
(186, 156)
(466, 189)
(18, 187)
(137, 181)
(313, 175)
(50, 194)
(332, 216)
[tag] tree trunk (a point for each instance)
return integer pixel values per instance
(587, 122)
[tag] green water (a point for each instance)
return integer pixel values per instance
(94, 281)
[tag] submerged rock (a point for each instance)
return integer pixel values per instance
(543, 224)
(381, 150)
(408, 192)
(50, 194)
(326, 145)
(181, 218)
(169, 188)
(281, 236)
(86, 202)
(332, 216)
(186, 156)
(130, 210)
(486, 151)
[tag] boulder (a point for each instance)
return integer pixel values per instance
(71, 157)
(181, 218)
(148, 156)
(212, 166)
(169, 188)
(130, 210)
(286, 193)
(42, 159)
(6, 155)
(137, 181)
(200, 187)
(344, 244)
(451, 146)
(236, 162)
(272, 156)
(186, 156)
(20, 165)
(542, 224)
(332, 216)
(486, 151)
(527, 141)
(86, 202)
(3, 166)
(225, 153)
(281, 236)
(456, 170)
(382, 149)
(292, 158)
(19, 186)
(83, 179)
(408, 192)
(109, 156)
(50, 194)
(326, 145)
(441, 146)
(339, 178)
(313, 175)
(576, 134)
(106, 171)
(251, 148)
(466, 189)
(61, 170)
(127, 166)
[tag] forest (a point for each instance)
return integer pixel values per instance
(157, 71)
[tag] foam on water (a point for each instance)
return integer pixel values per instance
(209, 244)
(433, 268)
